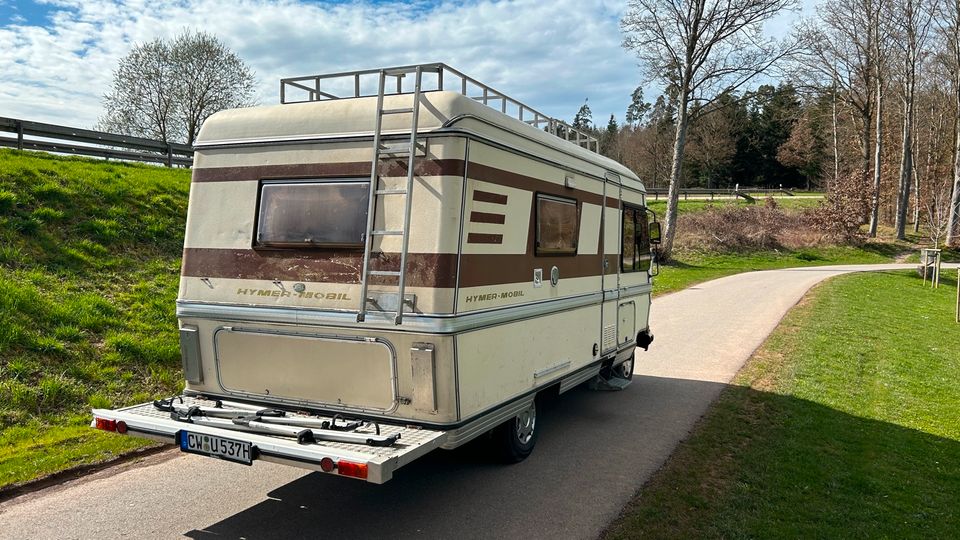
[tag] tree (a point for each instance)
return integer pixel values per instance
(913, 19)
(950, 25)
(847, 49)
(637, 108)
(712, 141)
(583, 120)
(701, 47)
(803, 150)
(608, 140)
(166, 89)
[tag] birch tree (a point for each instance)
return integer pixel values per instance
(701, 47)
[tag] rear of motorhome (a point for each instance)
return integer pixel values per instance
(392, 261)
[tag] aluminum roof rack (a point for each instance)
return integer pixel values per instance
(364, 83)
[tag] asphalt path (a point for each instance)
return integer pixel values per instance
(596, 449)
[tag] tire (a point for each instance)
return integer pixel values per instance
(624, 370)
(515, 438)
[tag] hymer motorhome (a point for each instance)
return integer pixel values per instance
(392, 261)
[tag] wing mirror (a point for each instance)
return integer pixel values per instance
(655, 233)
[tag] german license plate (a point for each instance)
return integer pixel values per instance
(218, 447)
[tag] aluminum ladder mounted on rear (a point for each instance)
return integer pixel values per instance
(376, 192)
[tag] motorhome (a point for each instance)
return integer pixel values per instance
(392, 261)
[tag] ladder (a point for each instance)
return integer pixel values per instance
(376, 191)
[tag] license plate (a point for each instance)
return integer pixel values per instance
(218, 447)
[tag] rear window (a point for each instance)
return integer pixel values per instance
(312, 213)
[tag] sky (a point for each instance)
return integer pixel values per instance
(57, 56)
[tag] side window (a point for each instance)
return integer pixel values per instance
(558, 225)
(296, 214)
(636, 240)
(629, 251)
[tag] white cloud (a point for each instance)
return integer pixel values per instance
(550, 55)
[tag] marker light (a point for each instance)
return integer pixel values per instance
(121, 427)
(356, 470)
(327, 465)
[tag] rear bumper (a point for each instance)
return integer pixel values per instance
(381, 462)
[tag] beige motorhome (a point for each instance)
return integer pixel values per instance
(372, 270)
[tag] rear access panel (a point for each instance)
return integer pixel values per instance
(346, 372)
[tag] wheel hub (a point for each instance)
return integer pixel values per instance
(526, 423)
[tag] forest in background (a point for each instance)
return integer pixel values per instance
(860, 101)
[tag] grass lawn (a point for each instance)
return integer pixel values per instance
(690, 268)
(697, 205)
(89, 265)
(844, 424)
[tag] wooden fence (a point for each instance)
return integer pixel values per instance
(750, 193)
(64, 140)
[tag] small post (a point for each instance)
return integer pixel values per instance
(169, 156)
(19, 135)
(936, 271)
(958, 294)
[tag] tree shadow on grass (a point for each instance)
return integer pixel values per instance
(761, 464)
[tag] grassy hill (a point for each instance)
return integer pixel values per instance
(89, 261)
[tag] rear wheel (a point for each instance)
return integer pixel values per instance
(624, 370)
(516, 437)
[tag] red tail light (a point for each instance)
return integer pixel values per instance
(121, 427)
(108, 425)
(356, 470)
(327, 464)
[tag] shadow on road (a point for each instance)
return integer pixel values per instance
(595, 451)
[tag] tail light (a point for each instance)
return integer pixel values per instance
(108, 425)
(356, 470)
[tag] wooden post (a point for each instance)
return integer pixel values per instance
(19, 125)
(958, 294)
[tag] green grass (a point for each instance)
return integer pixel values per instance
(691, 268)
(89, 265)
(698, 205)
(845, 424)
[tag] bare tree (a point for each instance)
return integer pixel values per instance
(912, 19)
(938, 212)
(701, 47)
(843, 50)
(880, 42)
(140, 102)
(950, 25)
(166, 90)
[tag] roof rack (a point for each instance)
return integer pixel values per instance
(354, 84)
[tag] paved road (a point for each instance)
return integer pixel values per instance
(594, 453)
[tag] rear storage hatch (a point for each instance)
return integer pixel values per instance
(341, 372)
(336, 445)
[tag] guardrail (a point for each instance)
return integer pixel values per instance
(58, 139)
(748, 194)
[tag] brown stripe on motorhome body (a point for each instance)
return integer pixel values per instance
(398, 167)
(487, 217)
(393, 167)
(424, 270)
(317, 266)
(481, 238)
(493, 175)
(486, 196)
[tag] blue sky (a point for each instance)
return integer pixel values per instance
(57, 56)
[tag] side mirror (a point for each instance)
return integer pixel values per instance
(655, 233)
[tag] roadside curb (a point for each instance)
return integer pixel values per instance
(13, 491)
